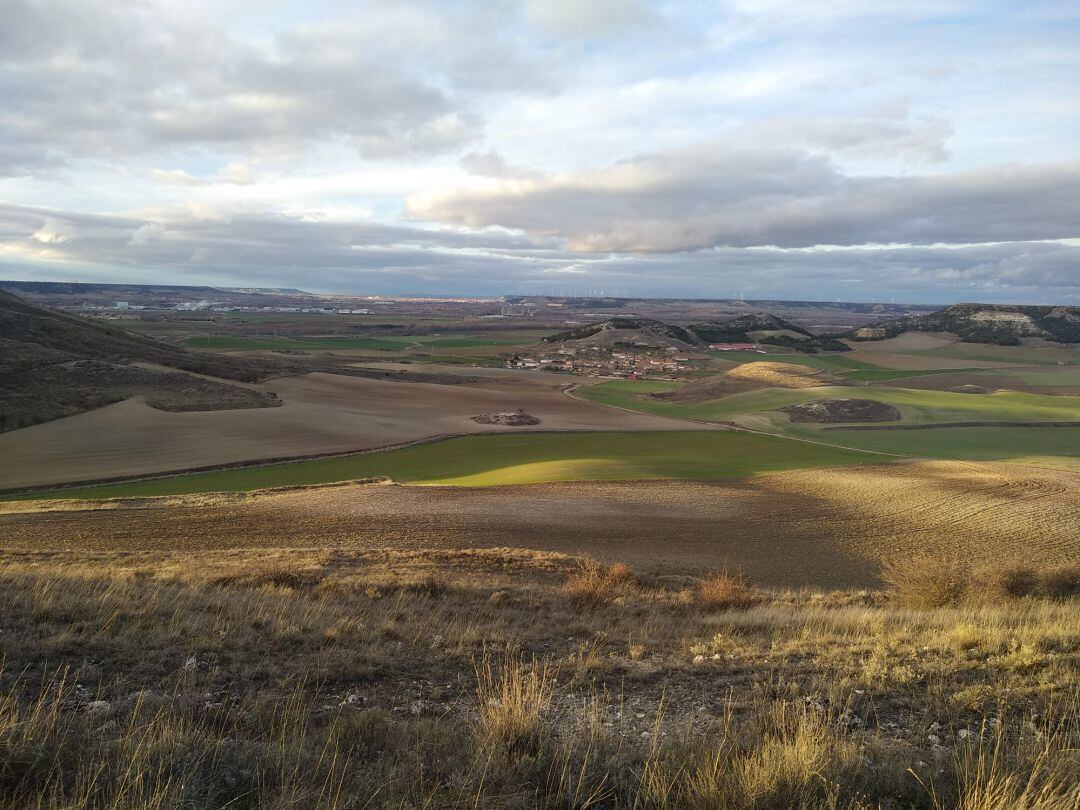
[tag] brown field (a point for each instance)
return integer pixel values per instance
(323, 413)
(822, 528)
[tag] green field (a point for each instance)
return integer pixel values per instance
(832, 362)
(880, 374)
(522, 459)
(758, 410)
(1018, 355)
(396, 343)
(1052, 447)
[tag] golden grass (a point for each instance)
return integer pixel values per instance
(333, 678)
(722, 590)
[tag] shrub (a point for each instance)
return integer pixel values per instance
(1062, 582)
(596, 584)
(927, 581)
(722, 590)
(1016, 582)
(288, 578)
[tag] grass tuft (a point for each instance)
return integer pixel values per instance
(723, 590)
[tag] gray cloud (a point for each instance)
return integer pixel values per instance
(273, 249)
(107, 79)
(717, 194)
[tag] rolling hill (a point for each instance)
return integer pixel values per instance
(984, 323)
(750, 377)
(758, 327)
(54, 365)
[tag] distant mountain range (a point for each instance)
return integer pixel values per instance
(758, 327)
(984, 323)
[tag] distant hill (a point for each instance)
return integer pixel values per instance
(54, 365)
(984, 323)
(767, 329)
(628, 330)
(758, 327)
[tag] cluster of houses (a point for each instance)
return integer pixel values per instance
(663, 364)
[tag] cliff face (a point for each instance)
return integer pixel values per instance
(985, 323)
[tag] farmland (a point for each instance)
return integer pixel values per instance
(759, 410)
(624, 605)
(524, 459)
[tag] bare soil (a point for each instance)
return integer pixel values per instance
(823, 528)
(323, 413)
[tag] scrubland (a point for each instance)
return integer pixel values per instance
(515, 678)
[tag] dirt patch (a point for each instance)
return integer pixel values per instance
(749, 377)
(968, 389)
(831, 411)
(516, 418)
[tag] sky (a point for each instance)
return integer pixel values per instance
(855, 150)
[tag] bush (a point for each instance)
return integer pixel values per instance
(927, 581)
(1015, 583)
(1062, 582)
(721, 590)
(596, 584)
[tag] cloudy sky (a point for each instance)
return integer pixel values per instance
(907, 150)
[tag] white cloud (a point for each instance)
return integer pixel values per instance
(147, 234)
(53, 232)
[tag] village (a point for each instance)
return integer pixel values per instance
(637, 361)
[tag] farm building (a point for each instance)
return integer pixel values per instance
(733, 347)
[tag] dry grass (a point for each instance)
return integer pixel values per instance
(513, 701)
(723, 590)
(927, 581)
(210, 680)
(597, 584)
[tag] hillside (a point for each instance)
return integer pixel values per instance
(984, 323)
(54, 365)
(627, 330)
(758, 327)
(749, 377)
(767, 329)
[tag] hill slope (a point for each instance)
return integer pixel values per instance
(985, 323)
(54, 365)
(749, 377)
(758, 327)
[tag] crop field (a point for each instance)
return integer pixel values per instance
(523, 459)
(827, 527)
(758, 410)
(832, 362)
(323, 413)
(1014, 355)
(390, 344)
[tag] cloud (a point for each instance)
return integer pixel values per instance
(716, 194)
(589, 19)
(147, 234)
(270, 249)
(53, 232)
(99, 79)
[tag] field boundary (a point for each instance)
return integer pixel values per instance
(936, 425)
(735, 426)
(13, 493)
